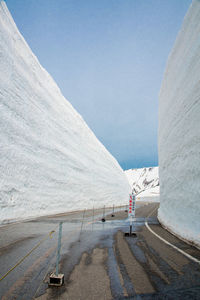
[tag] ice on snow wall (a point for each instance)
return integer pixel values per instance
(179, 133)
(50, 161)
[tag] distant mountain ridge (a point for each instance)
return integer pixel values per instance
(144, 181)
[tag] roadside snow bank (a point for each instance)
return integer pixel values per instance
(179, 133)
(50, 161)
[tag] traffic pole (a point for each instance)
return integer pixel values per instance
(131, 214)
(82, 224)
(57, 279)
(113, 211)
(59, 247)
(103, 218)
(92, 217)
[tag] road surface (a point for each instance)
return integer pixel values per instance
(98, 261)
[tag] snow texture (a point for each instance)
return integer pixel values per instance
(50, 161)
(179, 133)
(144, 182)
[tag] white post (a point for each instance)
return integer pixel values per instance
(131, 212)
(58, 249)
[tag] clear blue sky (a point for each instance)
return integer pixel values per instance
(108, 58)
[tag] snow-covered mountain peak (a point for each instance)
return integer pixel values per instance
(143, 179)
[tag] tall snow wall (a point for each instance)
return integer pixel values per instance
(179, 133)
(50, 161)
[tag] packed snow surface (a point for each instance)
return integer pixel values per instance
(144, 182)
(50, 161)
(179, 132)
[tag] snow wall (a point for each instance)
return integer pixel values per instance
(179, 133)
(50, 161)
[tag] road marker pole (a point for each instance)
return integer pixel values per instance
(126, 208)
(57, 279)
(103, 218)
(113, 211)
(59, 246)
(131, 214)
(92, 217)
(82, 225)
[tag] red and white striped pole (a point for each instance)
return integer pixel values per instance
(131, 210)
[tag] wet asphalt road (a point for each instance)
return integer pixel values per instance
(99, 262)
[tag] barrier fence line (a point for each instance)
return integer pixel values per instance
(23, 258)
(54, 257)
(49, 235)
(36, 246)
